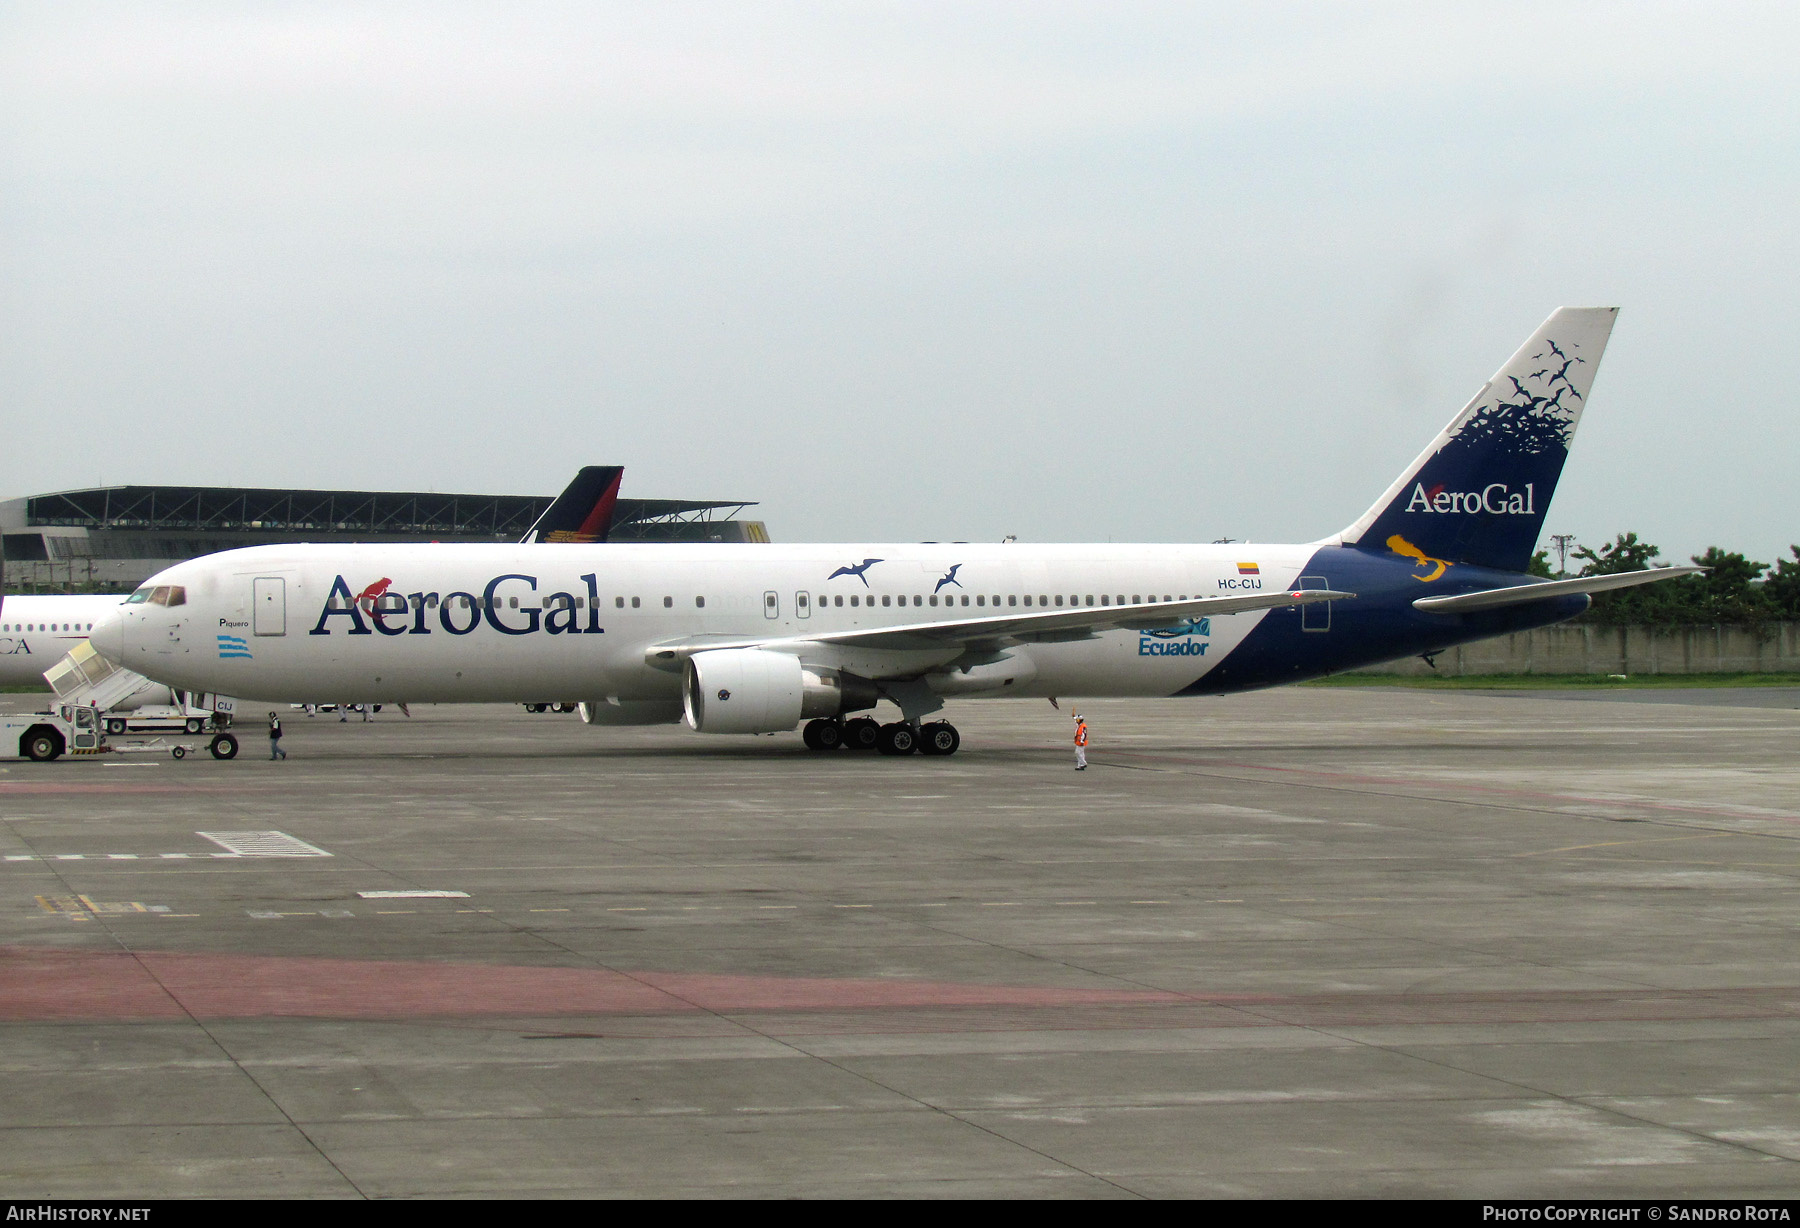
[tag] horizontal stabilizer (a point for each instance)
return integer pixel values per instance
(1519, 594)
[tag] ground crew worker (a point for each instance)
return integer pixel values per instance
(1080, 743)
(275, 751)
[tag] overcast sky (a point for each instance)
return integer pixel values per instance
(1110, 271)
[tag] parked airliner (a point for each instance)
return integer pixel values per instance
(36, 631)
(756, 638)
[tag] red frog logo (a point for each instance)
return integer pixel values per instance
(369, 596)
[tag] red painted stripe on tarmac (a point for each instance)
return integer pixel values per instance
(21, 786)
(40, 985)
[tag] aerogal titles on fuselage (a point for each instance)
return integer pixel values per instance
(1496, 499)
(459, 612)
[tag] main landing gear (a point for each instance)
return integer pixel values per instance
(899, 738)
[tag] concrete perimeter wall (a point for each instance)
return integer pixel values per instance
(1619, 650)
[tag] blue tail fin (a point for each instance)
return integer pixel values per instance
(1479, 493)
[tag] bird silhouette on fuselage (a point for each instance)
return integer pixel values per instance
(856, 571)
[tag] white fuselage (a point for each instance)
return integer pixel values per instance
(36, 632)
(412, 623)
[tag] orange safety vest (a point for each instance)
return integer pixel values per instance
(1081, 734)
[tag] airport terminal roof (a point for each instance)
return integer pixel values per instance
(232, 509)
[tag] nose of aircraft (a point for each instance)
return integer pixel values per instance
(108, 636)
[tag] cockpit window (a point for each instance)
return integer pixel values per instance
(139, 597)
(168, 594)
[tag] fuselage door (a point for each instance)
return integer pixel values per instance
(270, 616)
(1317, 616)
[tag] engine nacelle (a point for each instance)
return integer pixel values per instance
(753, 690)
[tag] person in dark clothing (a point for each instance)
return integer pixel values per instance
(275, 751)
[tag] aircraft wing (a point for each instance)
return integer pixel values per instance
(999, 630)
(1543, 590)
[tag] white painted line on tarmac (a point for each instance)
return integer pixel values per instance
(261, 844)
(413, 895)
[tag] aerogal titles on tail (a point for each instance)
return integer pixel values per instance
(739, 638)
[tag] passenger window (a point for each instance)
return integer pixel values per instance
(965, 601)
(668, 603)
(918, 600)
(636, 602)
(853, 600)
(699, 603)
(1059, 598)
(838, 601)
(934, 599)
(1012, 599)
(886, 600)
(980, 600)
(1104, 600)
(618, 603)
(513, 602)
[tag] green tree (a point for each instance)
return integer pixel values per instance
(1782, 588)
(1728, 592)
(1540, 566)
(1626, 553)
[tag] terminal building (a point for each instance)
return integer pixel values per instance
(112, 538)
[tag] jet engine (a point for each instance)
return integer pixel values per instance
(754, 690)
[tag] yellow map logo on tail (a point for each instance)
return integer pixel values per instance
(1399, 545)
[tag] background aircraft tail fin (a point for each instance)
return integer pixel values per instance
(584, 511)
(1479, 493)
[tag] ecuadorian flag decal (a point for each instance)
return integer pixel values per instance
(1249, 569)
(234, 646)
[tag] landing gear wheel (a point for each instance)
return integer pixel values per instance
(939, 738)
(898, 739)
(861, 734)
(224, 747)
(564, 708)
(822, 735)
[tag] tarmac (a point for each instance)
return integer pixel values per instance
(1309, 943)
